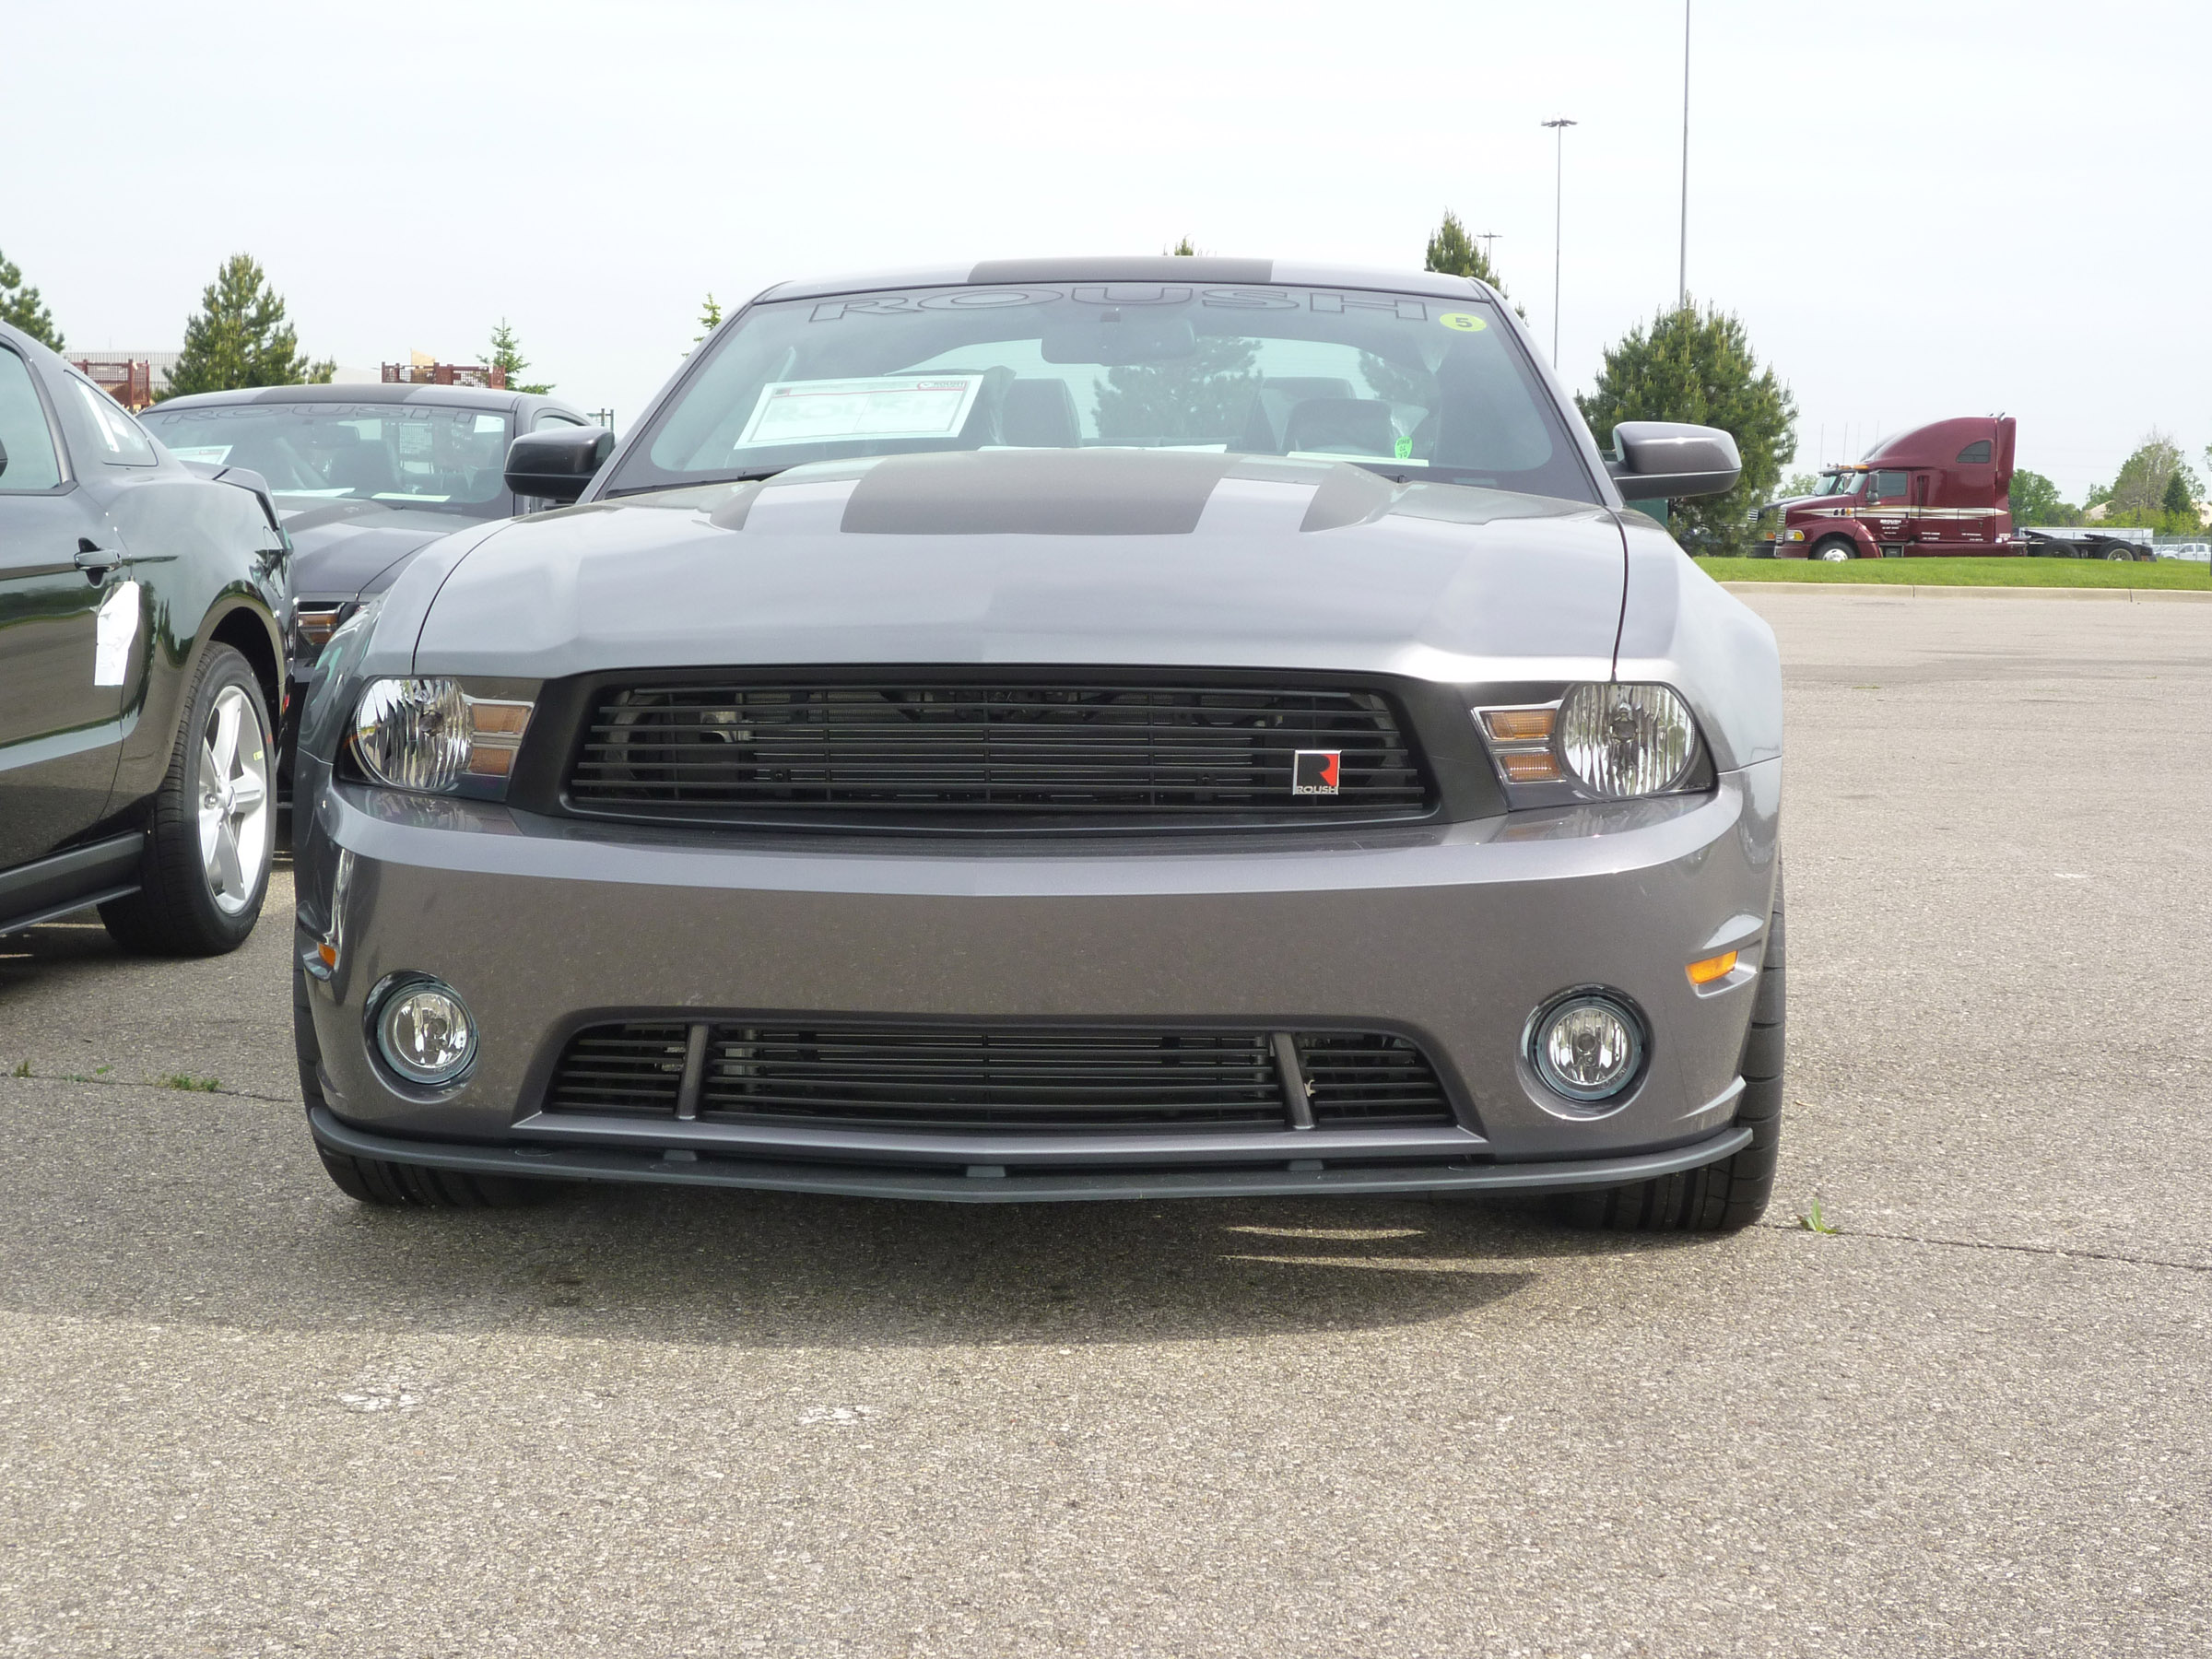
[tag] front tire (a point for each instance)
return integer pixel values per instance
(205, 869)
(1733, 1193)
(378, 1181)
(1836, 549)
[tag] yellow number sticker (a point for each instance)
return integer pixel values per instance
(1465, 322)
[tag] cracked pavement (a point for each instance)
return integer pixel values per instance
(239, 1414)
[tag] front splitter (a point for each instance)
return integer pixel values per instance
(993, 1185)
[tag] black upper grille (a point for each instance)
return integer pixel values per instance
(990, 753)
(1023, 1078)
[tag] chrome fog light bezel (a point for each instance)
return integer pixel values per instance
(385, 1002)
(1587, 1097)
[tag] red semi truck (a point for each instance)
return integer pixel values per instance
(1942, 489)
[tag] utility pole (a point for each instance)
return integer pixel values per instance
(1558, 192)
(1682, 293)
(1487, 239)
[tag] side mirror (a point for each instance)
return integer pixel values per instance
(3, 457)
(557, 462)
(1666, 460)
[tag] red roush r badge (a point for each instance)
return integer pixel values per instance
(1313, 771)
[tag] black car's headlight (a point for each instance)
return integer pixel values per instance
(1604, 742)
(441, 737)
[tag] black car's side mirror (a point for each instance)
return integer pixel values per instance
(556, 465)
(1666, 460)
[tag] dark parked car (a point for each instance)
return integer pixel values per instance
(141, 653)
(1063, 729)
(364, 478)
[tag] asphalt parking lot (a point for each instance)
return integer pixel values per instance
(239, 1414)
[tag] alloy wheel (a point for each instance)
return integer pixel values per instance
(234, 800)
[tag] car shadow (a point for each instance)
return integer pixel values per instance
(211, 1210)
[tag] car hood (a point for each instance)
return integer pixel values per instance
(1038, 557)
(341, 548)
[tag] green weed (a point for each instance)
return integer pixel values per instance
(1815, 1222)
(199, 1084)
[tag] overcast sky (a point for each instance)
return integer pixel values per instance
(1918, 209)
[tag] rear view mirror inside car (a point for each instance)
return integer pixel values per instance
(1116, 342)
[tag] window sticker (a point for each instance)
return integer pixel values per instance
(114, 630)
(1465, 322)
(817, 411)
(210, 454)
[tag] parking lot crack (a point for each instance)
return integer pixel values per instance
(2044, 1250)
(152, 1083)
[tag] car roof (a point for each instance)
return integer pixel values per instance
(1161, 267)
(371, 392)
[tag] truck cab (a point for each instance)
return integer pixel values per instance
(1942, 488)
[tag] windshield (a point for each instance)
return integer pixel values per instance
(1412, 385)
(442, 460)
(1840, 483)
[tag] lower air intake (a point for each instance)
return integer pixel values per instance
(1022, 1078)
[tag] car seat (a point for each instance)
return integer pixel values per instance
(363, 467)
(1039, 414)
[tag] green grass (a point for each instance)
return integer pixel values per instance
(1815, 1222)
(198, 1085)
(2007, 571)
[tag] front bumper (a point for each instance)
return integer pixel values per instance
(1450, 936)
(998, 1185)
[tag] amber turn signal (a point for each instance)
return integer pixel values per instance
(1519, 725)
(1528, 766)
(1712, 968)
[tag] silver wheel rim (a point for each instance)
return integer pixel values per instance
(234, 800)
(1834, 556)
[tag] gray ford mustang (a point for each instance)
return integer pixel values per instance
(1061, 729)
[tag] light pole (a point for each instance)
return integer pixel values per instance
(1682, 295)
(1559, 189)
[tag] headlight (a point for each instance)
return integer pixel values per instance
(1626, 740)
(1597, 742)
(441, 737)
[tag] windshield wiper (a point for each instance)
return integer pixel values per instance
(751, 475)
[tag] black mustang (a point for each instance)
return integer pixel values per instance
(141, 653)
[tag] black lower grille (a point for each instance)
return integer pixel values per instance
(993, 754)
(1021, 1078)
(1370, 1079)
(625, 1068)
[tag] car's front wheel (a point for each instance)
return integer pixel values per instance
(1731, 1193)
(379, 1180)
(207, 865)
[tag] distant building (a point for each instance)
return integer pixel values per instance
(133, 379)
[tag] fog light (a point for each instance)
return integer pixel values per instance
(424, 1032)
(1587, 1047)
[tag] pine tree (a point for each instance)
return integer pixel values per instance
(21, 307)
(1184, 249)
(240, 338)
(507, 355)
(710, 318)
(1453, 252)
(1697, 366)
